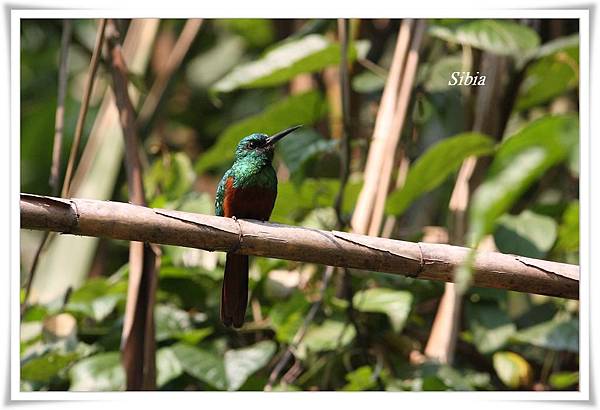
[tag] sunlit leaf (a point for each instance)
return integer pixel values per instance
(527, 234)
(394, 303)
(170, 321)
(287, 317)
(241, 363)
(329, 335)
(360, 379)
(512, 369)
(556, 334)
(101, 372)
(549, 77)
(441, 71)
(503, 37)
(168, 366)
(520, 160)
(305, 55)
(568, 232)
(367, 82)
(435, 165)
(44, 368)
(564, 380)
(97, 298)
(201, 364)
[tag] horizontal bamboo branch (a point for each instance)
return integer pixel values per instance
(418, 260)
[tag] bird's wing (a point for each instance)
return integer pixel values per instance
(220, 195)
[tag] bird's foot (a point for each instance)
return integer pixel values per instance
(238, 245)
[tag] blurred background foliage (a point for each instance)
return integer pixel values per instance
(256, 75)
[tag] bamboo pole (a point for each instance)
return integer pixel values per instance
(417, 260)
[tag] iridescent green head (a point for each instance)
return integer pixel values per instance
(260, 147)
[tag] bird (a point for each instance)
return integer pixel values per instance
(247, 190)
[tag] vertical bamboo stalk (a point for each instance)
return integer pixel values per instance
(138, 339)
(377, 150)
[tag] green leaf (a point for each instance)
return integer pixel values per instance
(491, 326)
(101, 372)
(435, 165)
(360, 379)
(256, 32)
(549, 77)
(170, 321)
(301, 150)
(195, 336)
(201, 364)
(97, 298)
(441, 72)
(501, 37)
(367, 82)
(557, 334)
(394, 303)
(44, 368)
(329, 335)
(287, 317)
(305, 55)
(520, 160)
(306, 108)
(563, 380)
(241, 363)
(512, 369)
(568, 232)
(527, 234)
(229, 372)
(168, 366)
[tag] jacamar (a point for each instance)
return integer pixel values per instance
(247, 190)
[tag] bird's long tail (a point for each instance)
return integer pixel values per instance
(234, 294)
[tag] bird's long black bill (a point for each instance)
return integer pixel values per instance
(274, 138)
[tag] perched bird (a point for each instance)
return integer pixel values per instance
(247, 190)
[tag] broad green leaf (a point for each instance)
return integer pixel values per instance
(512, 369)
(564, 380)
(45, 367)
(301, 151)
(441, 72)
(305, 55)
(367, 82)
(329, 335)
(568, 232)
(97, 298)
(360, 379)
(435, 165)
(527, 234)
(306, 108)
(556, 334)
(287, 317)
(256, 32)
(520, 160)
(491, 327)
(229, 372)
(201, 364)
(549, 77)
(195, 336)
(101, 372)
(396, 304)
(503, 37)
(168, 366)
(170, 321)
(241, 363)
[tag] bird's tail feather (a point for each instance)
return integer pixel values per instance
(234, 294)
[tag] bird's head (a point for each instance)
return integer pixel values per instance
(260, 147)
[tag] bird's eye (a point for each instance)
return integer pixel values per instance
(251, 145)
